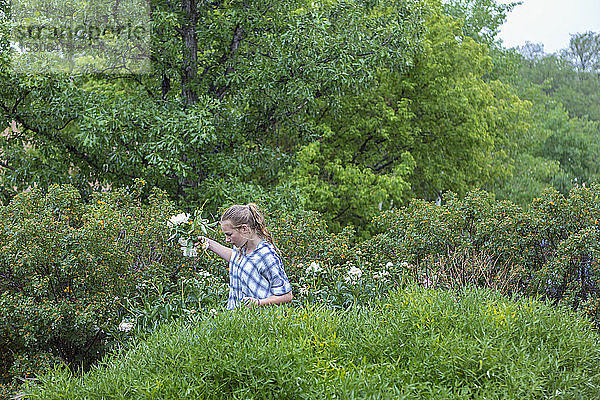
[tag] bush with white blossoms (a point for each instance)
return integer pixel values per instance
(353, 275)
(314, 268)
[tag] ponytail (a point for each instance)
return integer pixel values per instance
(250, 215)
(259, 223)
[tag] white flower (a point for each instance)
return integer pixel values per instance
(125, 326)
(178, 219)
(354, 275)
(183, 241)
(313, 268)
(189, 252)
(381, 274)
(205, 274)
(355, 272)
(212, 312)
(389, 264)
(205, 244)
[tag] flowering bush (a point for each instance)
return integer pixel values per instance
(303, 238)
(548, 249)
(68, 269)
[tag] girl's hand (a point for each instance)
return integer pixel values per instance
(203, 242)
(251, 302)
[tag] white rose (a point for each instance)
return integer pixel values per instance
(178, 219)
(125, 326)
(187, 252)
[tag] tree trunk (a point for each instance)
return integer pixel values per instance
(190, 51)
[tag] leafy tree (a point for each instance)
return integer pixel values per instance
(584, 52)
(481, 19)
(560, 148)
(561, 77)
(234, 89)
(575, 146)
(438, 127)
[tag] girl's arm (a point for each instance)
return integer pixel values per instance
(222, 251)
(275, 299)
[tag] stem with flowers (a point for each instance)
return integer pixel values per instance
(184, 230)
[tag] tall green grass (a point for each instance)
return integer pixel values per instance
(418, 344)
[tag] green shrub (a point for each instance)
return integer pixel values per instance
(72, 271)
(303, 238)
(69, 268)
(417, 344)
(548, 249)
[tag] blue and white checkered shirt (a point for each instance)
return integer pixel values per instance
(259, 274)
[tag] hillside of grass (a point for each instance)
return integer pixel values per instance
(419, 343)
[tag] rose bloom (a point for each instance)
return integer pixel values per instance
(178, 219)
(125, 326)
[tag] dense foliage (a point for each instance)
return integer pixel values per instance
(234, 88)
(344, 120)
(65, 268)
(418, 343)
(348, 107)
(75, 273)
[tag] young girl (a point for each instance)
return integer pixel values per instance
(256, 275)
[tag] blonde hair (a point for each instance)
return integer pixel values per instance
(249, 215)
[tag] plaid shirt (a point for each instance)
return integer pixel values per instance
(259, 274)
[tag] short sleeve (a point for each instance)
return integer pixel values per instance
(276, 276)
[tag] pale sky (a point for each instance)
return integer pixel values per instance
(549, 22)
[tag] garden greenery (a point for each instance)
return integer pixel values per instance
(81, 278)
(67, 267)
(418, 343)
